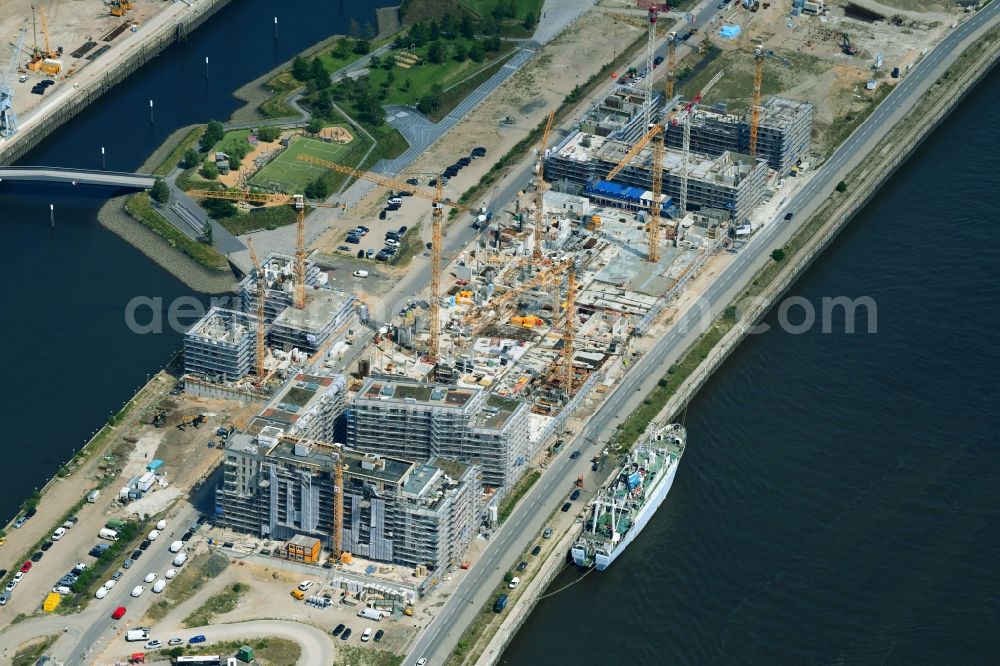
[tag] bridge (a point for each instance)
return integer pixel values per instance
(42, 174)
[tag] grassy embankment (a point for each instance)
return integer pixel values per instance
(29, 655)
(217, 604)
(141, 209)
(199, 571)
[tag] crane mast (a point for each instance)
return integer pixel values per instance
(671, 64)
(755, 108)
(653, 250)
(686, 148)
(568, 329)
(652, 14)
(338, 508)
(300, 251)
(8, 119)
(540, 191)
(261, 298)
(437, 217)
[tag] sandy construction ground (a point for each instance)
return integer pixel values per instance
(71, 23)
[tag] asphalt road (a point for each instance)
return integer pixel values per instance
(440, 636)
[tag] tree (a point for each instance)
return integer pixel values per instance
(489, 26)
(318, 189)
(374, 62)
(160, 191)
(467, 27)
(339, 49)
(390, 77)
(210, 171)
(841, 186)
(369, 32)
(477, 52)
(435, 30)
(207, 234)
(407, 84)
(300, 69)
(448, 25)
(213, 134)
(318, 76)
(430, 102)
(314, 126)
(418, 34)
(218, 208)
(459, 52)
(370, 108)
(530, 21)
(362, 46)
(492, 44)
(435, 53)
(235, 161)
(191, 158)
(268, 134)
(778, 255)
(321, 105)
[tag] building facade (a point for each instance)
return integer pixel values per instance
(416, 421)
(221, 346)
(394, 510)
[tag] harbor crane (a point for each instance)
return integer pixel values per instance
(261, 323)
(437, 215)
(298, 202)
(540, 190)
(8, 76)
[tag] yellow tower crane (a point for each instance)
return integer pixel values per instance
(439, 202)
(299, 203)
(338, 508)
(261, 324)
(540, 196)
(655, 134)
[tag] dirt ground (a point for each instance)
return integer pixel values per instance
(71, 23)
(540, 86)
(811, 65)
(248, 166)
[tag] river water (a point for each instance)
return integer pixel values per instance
(837, 502)
(68, 355)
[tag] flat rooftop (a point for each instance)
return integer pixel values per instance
(224, 326)
(322, 306)
(296, 399)
(496, 412)
(443, 395)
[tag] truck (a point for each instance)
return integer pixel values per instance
(370, 614)
(108, 534)
(115, 524)
(137, 634)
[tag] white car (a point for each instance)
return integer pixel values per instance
(514, 582)
(102, 592)
(150, 577)
(152, 535)
(305, 585)
(22, 78)
(365, 637)
(175, 641)
(170, 573)
(137, 590)
(162, 525)
(422, 661)
(360, 274)
(392, 242)
(61, 589)
(10, 586)
(108, 584)
(58, 534)
(18, 576)
(153, 644)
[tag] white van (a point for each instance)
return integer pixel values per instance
(176, 546)
(152, 536)
(58, 534)
(93, 495)
(180, 559)
(360, 274)
(158, 587)
(162, 525)
(101, 593)
(110, 535)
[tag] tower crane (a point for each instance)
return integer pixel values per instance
(261, 298)
(655, 134)
(338, 507)
(540, 191)
(685, 117)
(298, 202)
(654, 12)
(671, 63)
(438, 203)
(8, 119)
(756, 110)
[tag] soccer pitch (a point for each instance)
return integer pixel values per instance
(288, 174)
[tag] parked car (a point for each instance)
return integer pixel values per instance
(412, 181)
(4, 597)
(547, 534)
(536, 550)
(200, 638)
(575, 455)
(354, 240)
(20, 522)
(305, 585)
(175, 641)
(575, 495)
(101, 592)
(343, 248)
(478, 151)
(136, 554)
(127, 564)
(170, 573)
(381, 214)
(360, 274)
(339, 629)
(378, 635)
(789, 216)
(119, 613)
(150, 577)
(144, 544)
(153, 645)
(46, 545)
(137, 590)
(593, 467)
(522, 566)
(117, 575)
(514, 582)
(26, 567)
(465, 161)
(657, 60)
(402, 230)
(346, 634)
(366, 635)
(58, 534)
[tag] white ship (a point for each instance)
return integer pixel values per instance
(629, 499)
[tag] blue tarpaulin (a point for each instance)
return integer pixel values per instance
(634, 479)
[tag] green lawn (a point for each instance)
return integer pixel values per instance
(521, 7)
(232, 142)
(288, 174)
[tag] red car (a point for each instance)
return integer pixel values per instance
(26, 567)
(119, 612)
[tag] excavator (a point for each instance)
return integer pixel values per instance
(846, 46)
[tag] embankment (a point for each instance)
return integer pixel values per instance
(152, 44)
(887, 157)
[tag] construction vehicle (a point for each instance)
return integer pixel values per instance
(846, 46)
(193, 421)
(46, 60)
(439, 202)
(159, 418)
(299, 203)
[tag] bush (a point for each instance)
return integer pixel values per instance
(314, 126)
(209, 171)
(160, 191)
(318, 189)
(841, 186)
(213, 134)
(218, 208)
(778, 255)
(268, 134)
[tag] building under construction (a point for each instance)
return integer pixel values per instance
(782, 137)
(221, 345)
(416, 421)
(731, 181)
(327, 313)
(279, 276)
(394, 510)
(310, 406)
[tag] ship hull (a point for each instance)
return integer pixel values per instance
(603, 562)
